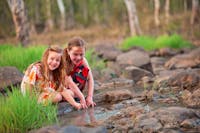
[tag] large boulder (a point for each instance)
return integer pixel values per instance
(134, 57)
(191, 59)
(9, 76)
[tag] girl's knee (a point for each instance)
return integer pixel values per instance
(57, 98)
(70, 92)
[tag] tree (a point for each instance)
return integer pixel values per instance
(71, 14)
(133, 18)
(156, 12)
(49, 25)
(63, 15)
(195, 12)
(167, 11)
(20, 20)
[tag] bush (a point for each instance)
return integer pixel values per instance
(19, 56)
(150, 43)
(19, 113)
(94, 61)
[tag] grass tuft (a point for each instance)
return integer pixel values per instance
(151, 43)
(19, 56)
(20, 114)
(94, 61)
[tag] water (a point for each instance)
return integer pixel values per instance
(86, 117)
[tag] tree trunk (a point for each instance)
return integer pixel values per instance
(185, 5)
(62, 12)
(85, 12)
(156, 12)
(133, 18)
(70, 20)
(20, 20)
(49, 24)
(167, 11)
(195, 12)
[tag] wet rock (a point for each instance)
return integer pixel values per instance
(136, 73)
(158, 64)
(191, 123)
(191, 99)
(164, 52)
(171, 117)
(9, 76)
(115, 83)
(186, 79)
(188, 60)
(124, 120)
(117, 95)
(182, 79)
(148, 125)
(107, 52)
(168, 130)
(107, 74)
(136, 58)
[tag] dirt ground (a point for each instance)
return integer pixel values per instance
(92, 35)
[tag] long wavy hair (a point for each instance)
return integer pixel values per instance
(74, 42)
(58, 74)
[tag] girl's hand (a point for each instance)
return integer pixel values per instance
(78, 106)
(90, 102)
(83, 103)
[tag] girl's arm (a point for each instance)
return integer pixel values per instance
(76, 90)
(89, 99)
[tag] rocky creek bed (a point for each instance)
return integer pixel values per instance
(138, 91)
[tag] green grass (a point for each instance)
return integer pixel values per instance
(18, 56)
(21, 57)
(151, 43)
(93, 60)
(20, 114)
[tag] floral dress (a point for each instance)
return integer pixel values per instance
(40, 86)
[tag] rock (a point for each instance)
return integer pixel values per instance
(191, 99)
(117, 95)
(136, 58)
(136, 73)
(107, 52)
(191, 59)
(170, 117)
(158, 64)
(9, 76)
(164, 52)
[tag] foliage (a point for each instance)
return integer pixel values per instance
(93, 60)
(22, 57)
(19, 113)
(19, 56)
(151, 43)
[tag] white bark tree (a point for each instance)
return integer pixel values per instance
(70, 17)
(156, 12)
(49, 24)
(20, 20)
(195, 12)
(63, 15)
(133, 18)
(167, 15)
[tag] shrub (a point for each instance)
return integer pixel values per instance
(20, 114)
(19, 56)
(93, 60)
(151, 43)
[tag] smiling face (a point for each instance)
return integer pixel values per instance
(53, 60)
(76, 54)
